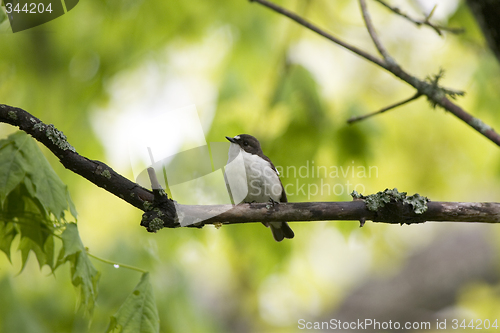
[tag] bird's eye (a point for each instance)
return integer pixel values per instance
(245, 143)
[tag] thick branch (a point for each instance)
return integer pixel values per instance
(486, 212)
(95, 171)
(436, 95)
(389, 206)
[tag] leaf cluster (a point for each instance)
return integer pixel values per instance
(34, 202)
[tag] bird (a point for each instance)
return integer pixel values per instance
(252, 177)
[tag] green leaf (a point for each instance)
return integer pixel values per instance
(26, 216)
(21, 161)
(33, 201)
(72, 207)
(138, 314)
(36, 237)
(49, 188)
(84, 275)
(7, 234)
(12, 168)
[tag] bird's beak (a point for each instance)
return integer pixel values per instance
(232, 140)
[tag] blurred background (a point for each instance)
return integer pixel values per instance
(107, 69)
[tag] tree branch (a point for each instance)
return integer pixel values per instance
(395, 213)
(387, 108)
(389, 206)
(425, 21)
(437, 95)
(95, 171)
(371, 30)
(319, 31)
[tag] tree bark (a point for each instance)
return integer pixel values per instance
(389, 206)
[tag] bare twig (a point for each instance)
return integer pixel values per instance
(321, 32)
(390, 107)
(155, 185)
(371, 30)
(436, 95)
(426, 21)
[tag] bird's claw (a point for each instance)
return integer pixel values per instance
(273, 202)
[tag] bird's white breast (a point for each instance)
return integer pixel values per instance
(251, 177)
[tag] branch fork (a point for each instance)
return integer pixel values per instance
(435, 94)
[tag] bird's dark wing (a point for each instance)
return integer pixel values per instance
(283, 193)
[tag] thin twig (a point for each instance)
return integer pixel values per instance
(426, 21)
(115, 264)
(436, 95)
(321, 32)
(155, 185)
(390, 107)
(373, 34)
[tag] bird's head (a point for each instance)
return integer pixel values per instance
(246, 142)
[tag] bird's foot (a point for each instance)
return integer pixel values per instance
(272, 203)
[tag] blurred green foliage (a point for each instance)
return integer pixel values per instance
(291, 89)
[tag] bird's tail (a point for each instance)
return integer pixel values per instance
(281, 230)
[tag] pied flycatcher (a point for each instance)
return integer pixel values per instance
(255, 177)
